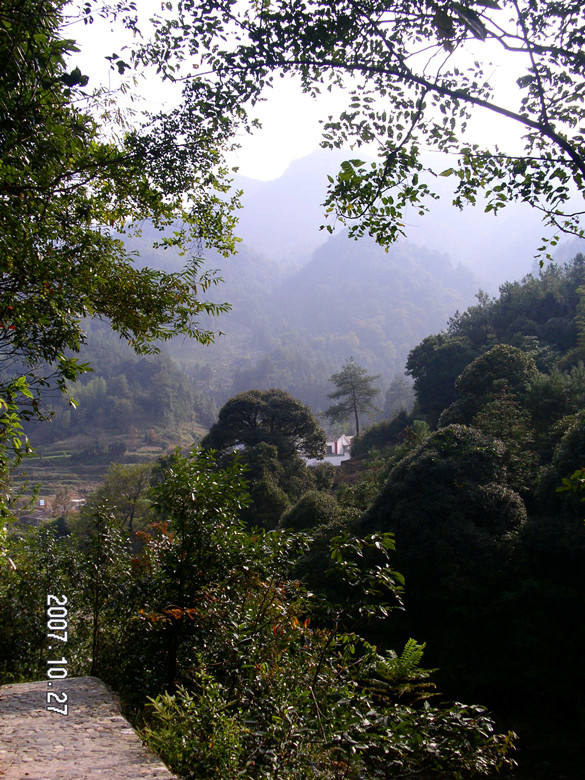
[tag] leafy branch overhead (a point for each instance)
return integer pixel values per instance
(415, 74)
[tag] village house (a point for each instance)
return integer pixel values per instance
(337, 450)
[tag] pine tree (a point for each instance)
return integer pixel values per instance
(356, 390)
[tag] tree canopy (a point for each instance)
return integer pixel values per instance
(539, 316)
(269, 416)
(416, 74)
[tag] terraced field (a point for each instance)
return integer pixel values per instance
(78, 465)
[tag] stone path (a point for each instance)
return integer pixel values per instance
(92, 741)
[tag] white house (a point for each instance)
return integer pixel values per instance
(340, 447)
(337, 451)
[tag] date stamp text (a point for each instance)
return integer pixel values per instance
(57, 632)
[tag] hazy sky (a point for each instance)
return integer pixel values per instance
(291, 129)
(290, 119)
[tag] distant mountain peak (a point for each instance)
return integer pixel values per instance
(281, 218)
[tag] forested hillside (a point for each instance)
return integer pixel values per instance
(281, 219)
(541, 315)
(125, 394)
(486, 506)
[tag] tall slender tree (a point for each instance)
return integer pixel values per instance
(357, 392)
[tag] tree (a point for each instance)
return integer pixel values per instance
(501, 362)
(314, 509)
(381, 435)
(248, 672)
(103, 575)
(270, 416)
(354, 386)
(266, 474)
(456, 519)
(502, 368)
(416, 73)
(503, 417)
(124, 492)
(435, 364)
(65, 188)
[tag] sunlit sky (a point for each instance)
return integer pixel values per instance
(290, 120)
(291, 128)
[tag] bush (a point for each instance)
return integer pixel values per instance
(569, 455)
(194, 732)
(269, 503)
(251, 675)
(314, 509)
(324, 475)
(456, 522)
(383, 434)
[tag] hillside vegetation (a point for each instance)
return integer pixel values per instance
(262, 614)
(351, 298)
(487, 511)
(290, 331)
(277, 595)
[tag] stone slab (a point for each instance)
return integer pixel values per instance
(93, 741)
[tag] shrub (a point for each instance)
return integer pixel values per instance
(383, 434)
(314, 509)
(194, 732)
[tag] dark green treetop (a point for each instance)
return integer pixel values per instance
(315, 508)
(435, 364)
(502, 369)
(502, 362)
(457, 519)
(270, 416)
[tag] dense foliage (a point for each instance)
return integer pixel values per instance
(249, 627)
(122, 396)
(490, 549)
(270, 416)
(487, 509)
(248, 673)
(539, 315)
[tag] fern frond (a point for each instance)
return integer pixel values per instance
(392, 677)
